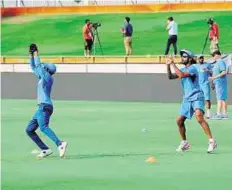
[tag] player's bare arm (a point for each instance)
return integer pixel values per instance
(171, 75)
(179, 73)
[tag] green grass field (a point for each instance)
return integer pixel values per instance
(107, 149)
(62, 34)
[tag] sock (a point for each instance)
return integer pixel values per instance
(208, 113)
(211, 140)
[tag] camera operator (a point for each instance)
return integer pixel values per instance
(127, 32)
(88, 37)
(213, 35)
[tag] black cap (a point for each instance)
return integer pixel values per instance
(210, 21)
(87, 20)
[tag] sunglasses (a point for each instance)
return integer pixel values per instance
(185, 56)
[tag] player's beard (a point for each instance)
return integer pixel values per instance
(201, 61)
(185, 62)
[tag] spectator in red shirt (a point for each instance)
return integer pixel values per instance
(87, 35)
(213, 36)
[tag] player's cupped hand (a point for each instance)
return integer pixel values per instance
(211, 79)
(169, 60)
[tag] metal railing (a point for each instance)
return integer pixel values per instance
(38, 3)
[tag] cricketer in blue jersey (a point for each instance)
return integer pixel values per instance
(43, 72)
(219, 78)
(204, 72)
(193, 98)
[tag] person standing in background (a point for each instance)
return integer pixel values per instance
(219, 78)
(213, 35)
(172, 29)
(204, 72)
(127, 31)
(87, 35)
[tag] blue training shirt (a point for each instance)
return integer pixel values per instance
(190, 85)
(204, 71)
(128, 30)
(45, 82)
(218, 67)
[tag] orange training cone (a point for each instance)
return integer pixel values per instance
(151, 159)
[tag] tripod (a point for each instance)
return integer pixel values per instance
(206, 39)
(96, 40)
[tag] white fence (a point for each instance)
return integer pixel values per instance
(36, 3)
(106, 68)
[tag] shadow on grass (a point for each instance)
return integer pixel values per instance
(86, 156)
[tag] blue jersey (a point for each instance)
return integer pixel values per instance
(190, 85)
(45, 82)
(128, 30)
(204, 72)
(219, 66)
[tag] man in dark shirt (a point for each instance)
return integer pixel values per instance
(127, 32)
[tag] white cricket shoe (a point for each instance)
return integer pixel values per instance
(224, 116)
(184, 145)
(62, 148)
(212, 146)
(216, 117)
(44, 153)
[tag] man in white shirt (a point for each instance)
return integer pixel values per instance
(172, 29)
